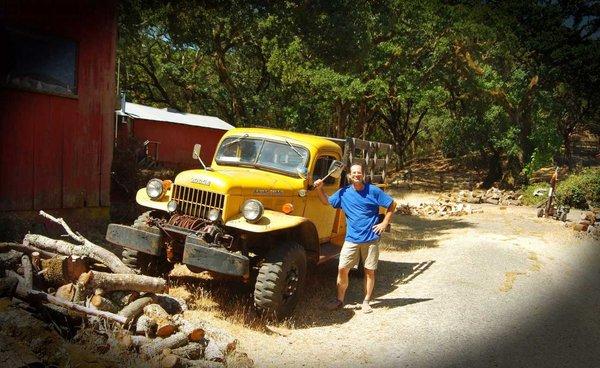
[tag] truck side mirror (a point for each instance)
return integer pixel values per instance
(335, 169)
(196, 152)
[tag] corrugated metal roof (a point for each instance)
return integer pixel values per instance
(152, 113)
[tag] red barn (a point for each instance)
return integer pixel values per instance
(57, 101)
(170, 135)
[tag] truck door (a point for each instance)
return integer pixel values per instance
(323, 216)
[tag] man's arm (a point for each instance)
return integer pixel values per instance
(318, 184)
(380, 227)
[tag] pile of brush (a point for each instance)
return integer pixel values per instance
(90, 282)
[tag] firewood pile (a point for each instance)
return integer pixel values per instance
(589, 222)
(87, 280)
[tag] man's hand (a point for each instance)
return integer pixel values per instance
(318, 184)
(380, 227)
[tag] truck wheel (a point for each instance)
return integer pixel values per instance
(143, 263)
(280, 280)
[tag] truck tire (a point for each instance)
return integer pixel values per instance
(280, 281)
(142, 263)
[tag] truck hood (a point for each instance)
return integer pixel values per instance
(240, 181)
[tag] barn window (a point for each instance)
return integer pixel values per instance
(39, 63)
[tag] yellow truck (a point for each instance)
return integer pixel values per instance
(252, 213)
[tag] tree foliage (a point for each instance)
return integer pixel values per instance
(507, 82)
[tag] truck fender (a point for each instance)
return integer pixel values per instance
(271, 221)
(297, 228)
(143, 200)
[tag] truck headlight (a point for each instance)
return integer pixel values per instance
(252, 210)
(154, 188)
(213, 214)
(172, 205)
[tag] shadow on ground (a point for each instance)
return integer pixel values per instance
(233, 301)
(409, 232)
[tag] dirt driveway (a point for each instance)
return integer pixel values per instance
(498, 288)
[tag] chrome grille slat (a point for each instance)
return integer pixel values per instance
(196, 202)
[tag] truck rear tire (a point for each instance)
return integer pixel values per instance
(143, 263)
(280, 281)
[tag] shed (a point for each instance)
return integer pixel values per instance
(57, 101)
(170, 135)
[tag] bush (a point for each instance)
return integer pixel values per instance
(529, 199)
(581, 190)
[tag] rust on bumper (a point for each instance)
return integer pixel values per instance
(198, 253)
(137, 239)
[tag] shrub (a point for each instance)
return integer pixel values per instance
(581, 190)
(529, 199)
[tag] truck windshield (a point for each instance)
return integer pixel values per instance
(261, 153)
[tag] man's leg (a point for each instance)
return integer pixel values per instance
(342, 283)
(369, 283)
(371, 259)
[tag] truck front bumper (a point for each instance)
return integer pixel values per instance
(140, 240)
(200, 254)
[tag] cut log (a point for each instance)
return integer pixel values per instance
(53, 271)
(74, 266)
(195, 332)
(145, 326)
(193, 350)
(34, 296)
(158, 345)
(170, 361)
(66, 292)
(103, 303)
(27, 272)
(214, 352)
(164, 325)
(112, 282)
(135, 308)
(87, 249)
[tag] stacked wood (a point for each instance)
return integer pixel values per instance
(86, 280)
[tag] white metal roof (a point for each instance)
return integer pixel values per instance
(152, 113)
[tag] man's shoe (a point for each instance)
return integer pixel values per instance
(334, 304)
(366, 307)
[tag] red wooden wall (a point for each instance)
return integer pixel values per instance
(56, 152)
(177, 141)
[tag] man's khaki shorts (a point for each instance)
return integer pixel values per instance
(352, 252)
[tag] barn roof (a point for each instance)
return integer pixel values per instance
(172, 116)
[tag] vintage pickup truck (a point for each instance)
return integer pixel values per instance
(252, 213)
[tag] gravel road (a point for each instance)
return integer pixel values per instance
(500, 288)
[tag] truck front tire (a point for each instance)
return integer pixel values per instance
(280, 281)
(142, 263)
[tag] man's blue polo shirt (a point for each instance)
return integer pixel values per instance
(361, 209)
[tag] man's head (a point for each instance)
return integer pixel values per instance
(356, 174)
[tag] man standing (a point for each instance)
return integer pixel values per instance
(360, 202)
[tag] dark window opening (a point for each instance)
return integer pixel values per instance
(321, 169)
(39, 63)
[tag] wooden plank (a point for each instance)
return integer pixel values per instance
(48, 166)
(18, 111)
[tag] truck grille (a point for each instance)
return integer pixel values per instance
(196, 202)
